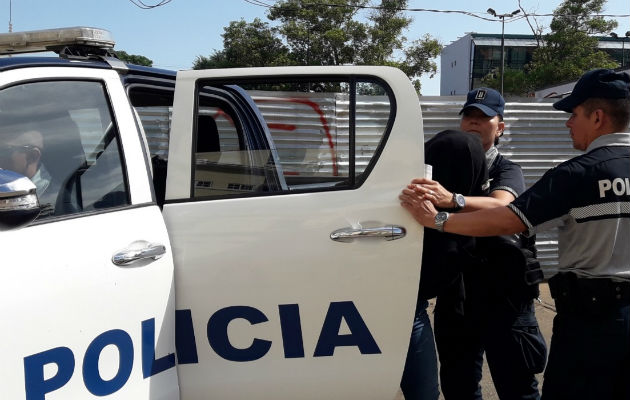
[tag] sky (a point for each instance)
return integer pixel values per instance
(174, 34)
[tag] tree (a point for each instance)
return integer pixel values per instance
(253, 44)
(321, 33)
(134, 58)
(569, 50)
(419, 59)
(515, 81)
(311, 32)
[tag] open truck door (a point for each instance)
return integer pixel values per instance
(296, 267)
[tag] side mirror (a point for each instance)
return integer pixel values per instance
(18, 200)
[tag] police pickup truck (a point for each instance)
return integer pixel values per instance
(211, 234)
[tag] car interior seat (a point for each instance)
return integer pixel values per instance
(64, 157)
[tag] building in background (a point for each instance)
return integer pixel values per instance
(468, 59)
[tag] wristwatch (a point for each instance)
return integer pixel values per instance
(440, 220)
(459, 201)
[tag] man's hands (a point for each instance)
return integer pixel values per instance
(434, 192)
(417, 200)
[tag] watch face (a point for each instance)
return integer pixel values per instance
(441, 217)
(460, 200)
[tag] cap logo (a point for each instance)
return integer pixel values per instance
(481, 94)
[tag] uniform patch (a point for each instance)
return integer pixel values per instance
(481, 94)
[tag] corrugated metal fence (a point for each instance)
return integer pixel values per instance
(535, 137)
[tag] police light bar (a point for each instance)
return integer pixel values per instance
(53, 39)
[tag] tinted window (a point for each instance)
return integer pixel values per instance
(61, 135)
(277, 136)
(287, 136)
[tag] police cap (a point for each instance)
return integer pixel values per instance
(487, 100)
(598, 83)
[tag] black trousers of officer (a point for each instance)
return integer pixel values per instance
(589, 357)
(506, 330)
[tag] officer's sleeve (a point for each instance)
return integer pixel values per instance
(509, 178)
(546, 203)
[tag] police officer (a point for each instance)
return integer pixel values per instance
(497, 315)
(588, 198)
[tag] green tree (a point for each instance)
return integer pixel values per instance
(569, 50)
(419, 59)
(515, 81)
(253, 44)
(134, 58)
(320, 33)
(311, 32)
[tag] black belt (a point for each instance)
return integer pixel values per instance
(596, 295)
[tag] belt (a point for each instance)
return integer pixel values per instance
(575, 294)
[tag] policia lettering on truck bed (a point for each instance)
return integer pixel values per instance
(220, 234)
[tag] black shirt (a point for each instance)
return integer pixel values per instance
(506, 175)
(588, 199)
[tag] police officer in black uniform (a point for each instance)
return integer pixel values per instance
(588, 198)
(496, 314)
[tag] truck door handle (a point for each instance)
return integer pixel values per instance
(387, 232)
(139, 250)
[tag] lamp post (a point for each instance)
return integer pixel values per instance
(623, 42)
(502, 18)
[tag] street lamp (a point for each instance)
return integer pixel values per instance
(502, 18)
(623, 42)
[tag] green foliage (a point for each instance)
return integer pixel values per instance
(515, 81)
(133, 58)
(310, 32)
(385, 33)
(569, 50)
(319, 34)
(419, 58)
(253, 44)
(581, 15)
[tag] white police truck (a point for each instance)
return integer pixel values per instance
(223, 234)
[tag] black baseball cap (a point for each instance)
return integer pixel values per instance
(487, 100)
(598, 83)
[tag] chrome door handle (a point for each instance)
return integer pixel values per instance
(387, 232)
(136, 251)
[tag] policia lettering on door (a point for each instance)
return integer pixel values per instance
(38, 383)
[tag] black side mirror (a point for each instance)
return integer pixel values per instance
(18, 200)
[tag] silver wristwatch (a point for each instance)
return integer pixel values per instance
(440, 220)
(459, 201)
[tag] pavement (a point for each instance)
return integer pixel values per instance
(545, 312)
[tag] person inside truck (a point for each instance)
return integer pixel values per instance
(499, 316)
(463, 171)
(21, 152)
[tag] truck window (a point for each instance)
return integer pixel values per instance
(62, 136)
(257, 138)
